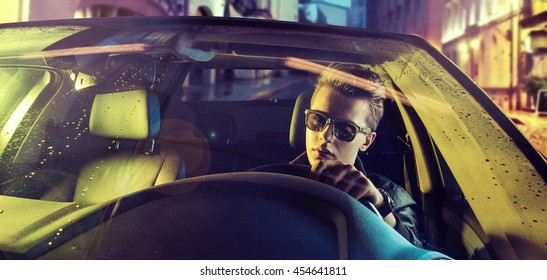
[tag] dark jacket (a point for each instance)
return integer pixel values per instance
(403, 204)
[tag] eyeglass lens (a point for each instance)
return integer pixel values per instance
(342, 130)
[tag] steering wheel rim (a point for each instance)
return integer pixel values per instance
(303, 171)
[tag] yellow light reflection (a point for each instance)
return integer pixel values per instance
(475, 44)
(347, 78)
(88, 50)
(22, 109)
(462, 51)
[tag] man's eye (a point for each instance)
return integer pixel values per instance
(346, 130)
(316, 120)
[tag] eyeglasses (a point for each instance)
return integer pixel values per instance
(343, 130)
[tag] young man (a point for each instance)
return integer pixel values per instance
(344, 112)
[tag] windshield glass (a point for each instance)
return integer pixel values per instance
(86, 120)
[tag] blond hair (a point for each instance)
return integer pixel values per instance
(355, 81)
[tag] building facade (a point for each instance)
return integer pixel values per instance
(281, 10)
(418, 17)
(500, 44)
(534, 35)
(481, 37)
(491, 41)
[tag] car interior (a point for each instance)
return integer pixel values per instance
(169, 138)
(117, 129)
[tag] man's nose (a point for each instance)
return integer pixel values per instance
(327, 133)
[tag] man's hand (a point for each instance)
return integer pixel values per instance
(346, 178)
(350, 180)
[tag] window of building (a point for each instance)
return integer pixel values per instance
(463, 19)
(472, 14)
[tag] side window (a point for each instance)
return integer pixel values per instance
(24, 93)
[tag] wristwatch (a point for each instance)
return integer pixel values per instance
(387, 206)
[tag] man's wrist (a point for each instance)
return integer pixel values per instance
(387, 206)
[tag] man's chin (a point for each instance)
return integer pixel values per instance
(314, 160)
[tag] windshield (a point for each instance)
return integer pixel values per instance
(206, 99)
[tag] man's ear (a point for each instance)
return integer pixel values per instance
(368, 141)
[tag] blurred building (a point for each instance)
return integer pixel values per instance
(282, 10)
(485, 39)
(116, 8)
(33, 10)
(534, 35)
(333, 12)
(417, 17)
(500, 44)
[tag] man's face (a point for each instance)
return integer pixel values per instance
(323, 145)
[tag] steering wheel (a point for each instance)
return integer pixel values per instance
(302, 170)
(239, 215)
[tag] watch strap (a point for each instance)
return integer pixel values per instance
(387, 206)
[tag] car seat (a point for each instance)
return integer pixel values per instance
(128, 115)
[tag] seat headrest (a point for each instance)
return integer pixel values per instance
(297, 135)
(133, 115)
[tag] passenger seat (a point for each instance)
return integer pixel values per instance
(129, 115)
